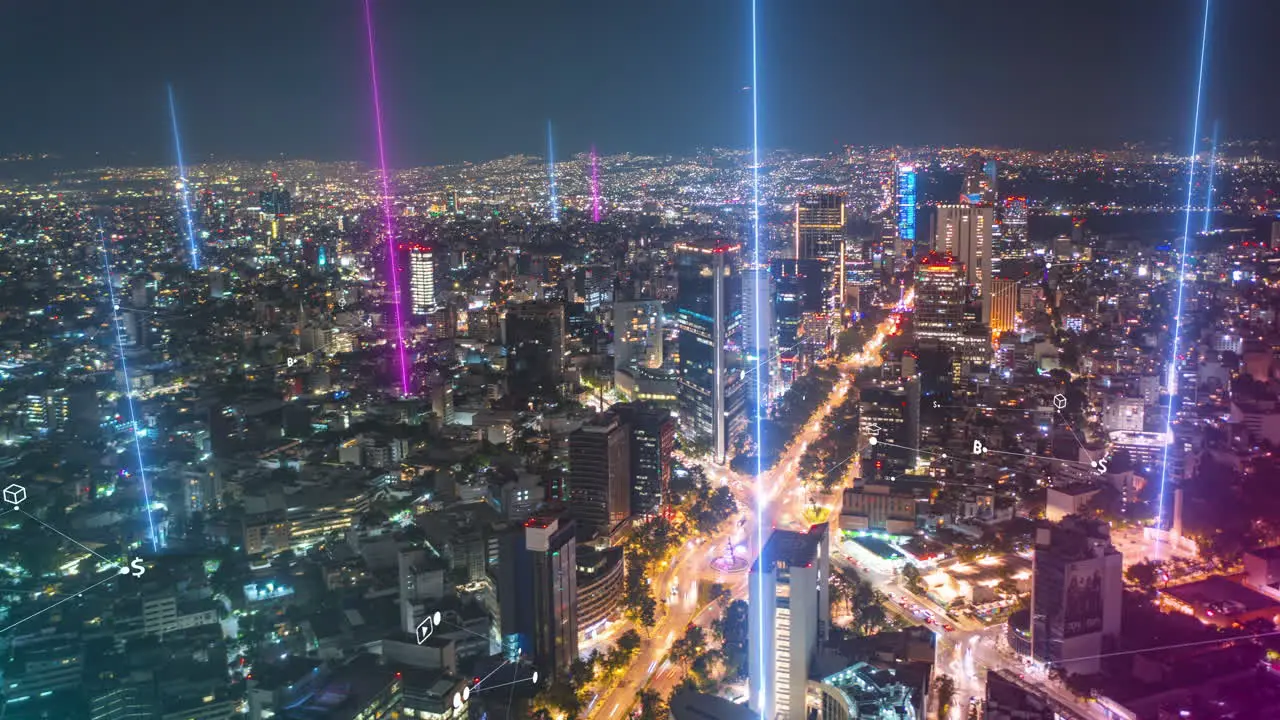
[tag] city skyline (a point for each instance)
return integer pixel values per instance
(783, 390)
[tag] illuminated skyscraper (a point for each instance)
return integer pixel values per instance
(965, 231)
(941, 294)
(790, 582)
(709, 318)
(757, 307)
(276, 201)
(637, 334)
(418, 264)
(1015, 241)
(979, 180)
(653, 438)
(538, 594)
(820, 235)
(906, 200)
(1004, 304)
(797, 292)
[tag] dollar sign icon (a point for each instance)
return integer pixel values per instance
(137, 567)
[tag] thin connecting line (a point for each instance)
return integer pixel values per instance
(128, 385)
(1174, 646)
(463, 629)
(113, 576)
(506, 684)
(1172, 372)
(108, 561)
(1074, 435)
(486, 677)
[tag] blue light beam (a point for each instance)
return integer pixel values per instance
(182, 177)
(128, 386)
(1208, 193)
(551, 175)
(1172, 372)
(761, 497)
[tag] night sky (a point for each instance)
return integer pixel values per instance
(475, 80)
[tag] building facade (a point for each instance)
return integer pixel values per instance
(709, 319)
(789, 583)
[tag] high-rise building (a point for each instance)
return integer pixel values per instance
(47, 411)
(276, 202)
(451, 200)
(797, 292)
(1004, 304)
(793, 575)
(965, 231)
(1077, 586)
(534, 335)
(905, 196)
(979, 180)
(637, 334)
(757, 331)
(709, 318)
(653, 439)
(600, 475)
(538, 594)
(941, 295)
(597, 286)
(417, 265)
(820, 235)
(891, 412)
(1016, 244)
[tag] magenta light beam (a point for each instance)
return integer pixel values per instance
(388, 221)
(595, 186)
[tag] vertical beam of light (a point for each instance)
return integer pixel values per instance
(551, 175)
(595, 185)
(1182, 269)
(389, 222)
(1208, 194)
(182, 178)
(761, 496)
(128, 385)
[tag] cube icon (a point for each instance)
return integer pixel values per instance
(15, 494)
(1060, 401)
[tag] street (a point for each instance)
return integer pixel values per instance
(784, 501)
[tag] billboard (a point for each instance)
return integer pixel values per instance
(1082, 613)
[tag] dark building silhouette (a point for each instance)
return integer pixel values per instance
(534, 334)
(653, 438)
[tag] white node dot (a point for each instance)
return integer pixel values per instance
(874, 440)
(1093, 463)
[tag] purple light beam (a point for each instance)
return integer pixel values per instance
(595, 186)
(386, 204)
